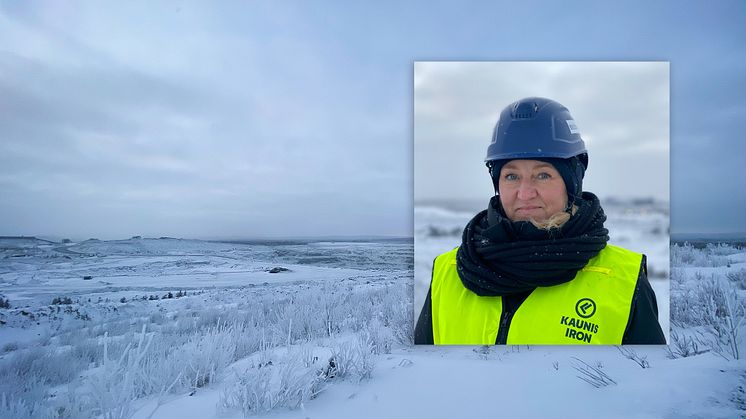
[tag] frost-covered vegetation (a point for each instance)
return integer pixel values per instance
(262, 344)
(708, 302)
(186, 349)
(269, 345)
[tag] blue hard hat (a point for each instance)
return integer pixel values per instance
(536, 127)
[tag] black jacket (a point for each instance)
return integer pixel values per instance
(642, 327)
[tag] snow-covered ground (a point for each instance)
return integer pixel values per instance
(331, 336)
(204, 306)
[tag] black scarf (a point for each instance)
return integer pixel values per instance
(501, 257)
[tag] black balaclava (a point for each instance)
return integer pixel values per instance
(572, 171)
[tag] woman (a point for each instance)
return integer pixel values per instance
(535, 267)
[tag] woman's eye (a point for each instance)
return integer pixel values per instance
(544, 175)
(511, 176)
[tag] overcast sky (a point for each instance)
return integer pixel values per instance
(245, 119)
(621, 110)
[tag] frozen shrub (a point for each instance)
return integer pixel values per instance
(4, 302)
(15, 386)
(685, 308)
(738, 278)
(594, 376)
(682, 255)
(351, 360)
(252, 392)
(20, 408)
(113, 387)
(87, 351)
(716, 305)
(724, 313)
(721, 249)
(118, 328)
(678, 276)
(380, 338)
(632, 355)
(682, 345)
(398, 314)
(47, 366)
(274, 384)
(711, 256)
(208, 318)
(206, 355)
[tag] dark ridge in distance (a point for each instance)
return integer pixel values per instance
(304, 241)
(24, 238)
(709, 237)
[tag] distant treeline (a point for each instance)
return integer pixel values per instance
(702, 243)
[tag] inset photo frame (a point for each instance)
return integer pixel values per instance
(514, 279)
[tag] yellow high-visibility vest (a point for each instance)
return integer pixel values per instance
(593, 308)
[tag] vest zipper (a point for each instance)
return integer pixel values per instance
(502, 333)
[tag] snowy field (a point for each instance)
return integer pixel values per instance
(107, 328)
(89, 330)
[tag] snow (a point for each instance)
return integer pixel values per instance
(349, 302)
(457, 382)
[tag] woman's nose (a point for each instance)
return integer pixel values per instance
(526, 191)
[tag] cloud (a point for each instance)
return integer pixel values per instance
(240, 118)
(266, 116)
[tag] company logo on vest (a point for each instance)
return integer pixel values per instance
(582, 330)
(585, 307)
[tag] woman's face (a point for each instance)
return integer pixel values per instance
(531, 189)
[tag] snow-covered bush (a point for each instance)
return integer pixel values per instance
(713, 304)
(725, 311)
(398, 314)
(682, 345)
(738, 278)
(712, 255)
(205, 355)
(381, 338)
(721, 249)
(116, 383)
(21, 408)
(352, 359)
(274, 383)
(41, 366)
(21, 393)
(87, 350)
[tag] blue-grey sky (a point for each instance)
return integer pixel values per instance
(265, 118)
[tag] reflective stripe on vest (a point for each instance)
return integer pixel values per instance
(593, 308)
